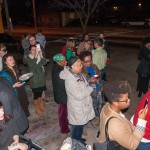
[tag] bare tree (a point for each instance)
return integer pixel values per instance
(83, 8)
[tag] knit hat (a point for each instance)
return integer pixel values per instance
(58, 57)
(72, 60)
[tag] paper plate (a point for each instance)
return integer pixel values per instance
(25, 77)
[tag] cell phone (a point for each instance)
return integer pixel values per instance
(98, 134)
(38, 47)
(23, 83)
(146, 102)
(96, 76)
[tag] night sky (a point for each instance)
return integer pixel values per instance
(22, 9)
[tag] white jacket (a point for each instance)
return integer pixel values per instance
(79, 102)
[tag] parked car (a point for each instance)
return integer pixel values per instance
(136, 22)
(13, 46)
(109, 20)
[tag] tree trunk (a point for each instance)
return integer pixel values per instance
(84, 28)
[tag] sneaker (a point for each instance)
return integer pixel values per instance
(83, 140)
(45, 101)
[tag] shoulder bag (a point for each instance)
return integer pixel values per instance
(108, 145)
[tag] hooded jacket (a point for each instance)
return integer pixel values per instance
(79, 103)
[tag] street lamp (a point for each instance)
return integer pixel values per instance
(115, 8)
(139, 5)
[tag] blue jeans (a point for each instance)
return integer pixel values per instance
(77, 131)
(144, 146)
(103, 73)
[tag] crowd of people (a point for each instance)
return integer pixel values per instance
(80, 89)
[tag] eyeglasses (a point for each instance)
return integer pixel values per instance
(125, 100)
(86, 62)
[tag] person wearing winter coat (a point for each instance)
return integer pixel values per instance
(35, 63)
(92, 75)
(79, 103)
(11, 105)
(60, 95)
(143, 68)
(8, 131)
(145, 141)
(11, 73)
(120, 129)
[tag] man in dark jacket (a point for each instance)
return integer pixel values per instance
(59, 91)
(143, 68)
(11, 105)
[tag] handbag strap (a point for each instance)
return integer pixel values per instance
(106, 129)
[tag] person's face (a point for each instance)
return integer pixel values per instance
(10, 61)
(87, 61)
(148, 45)
(96, 45)
(32, 40)
(86, 45)
(101, 36)
(2, 53)
(124, 101)
(77, 66)
(86, 37)
(33, 51)
(63, 63)
(1, 113)
(73, 43)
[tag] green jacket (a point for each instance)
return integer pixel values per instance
(39, 78)
(69, 53)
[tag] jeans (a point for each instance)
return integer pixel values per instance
(103, 73)
(63, 121)
(77, 131)
(144, 146)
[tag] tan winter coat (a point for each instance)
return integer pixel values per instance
(119, 129)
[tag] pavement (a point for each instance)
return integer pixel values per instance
(45, 130)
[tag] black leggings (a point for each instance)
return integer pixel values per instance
(37, 92)
(143, 83)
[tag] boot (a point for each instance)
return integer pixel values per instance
(37, 108)
(41, 105)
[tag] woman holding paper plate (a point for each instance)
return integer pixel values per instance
(36, 62)
(11, 73)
